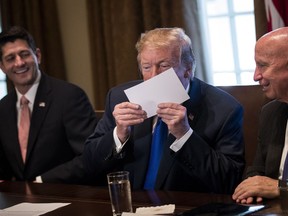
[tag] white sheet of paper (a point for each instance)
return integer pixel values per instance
(31, 209)
(152, 211)
(165, 87)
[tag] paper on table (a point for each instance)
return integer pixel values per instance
(31, 209)
(152, 211)
(165, 87)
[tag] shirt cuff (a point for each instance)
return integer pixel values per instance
(38, 179)
(178, 143)
(117, 141)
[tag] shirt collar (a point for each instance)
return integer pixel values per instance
(31, 93)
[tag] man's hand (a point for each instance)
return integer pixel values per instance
(258, 187)
(127, 114)
(174, 115)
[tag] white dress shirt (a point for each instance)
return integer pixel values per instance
(284, 153)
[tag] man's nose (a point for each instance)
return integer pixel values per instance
(18, 61)
(156, 70)
(257, 75)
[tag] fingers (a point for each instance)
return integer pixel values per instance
(258, 187)
(171, 111)
(174, 115)
(127, 114)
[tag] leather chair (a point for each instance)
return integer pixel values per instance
(252, 99)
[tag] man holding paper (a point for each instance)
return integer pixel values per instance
(203, 149)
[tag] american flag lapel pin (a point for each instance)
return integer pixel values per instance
(42, 104)
(191, 116)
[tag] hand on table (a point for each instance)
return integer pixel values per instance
(256, 187)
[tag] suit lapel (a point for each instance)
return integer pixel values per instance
(193, 105)
(165, 165)
(193, 109)
(12, 127)
(40, 109)
(280, 118)
(142, 142)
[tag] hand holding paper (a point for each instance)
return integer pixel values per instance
(165, 87)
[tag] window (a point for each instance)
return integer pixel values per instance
(3, 87)
(229, 30)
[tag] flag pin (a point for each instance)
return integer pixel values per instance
(191, 117)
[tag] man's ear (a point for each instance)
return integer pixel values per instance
(38, 55)
(188, 73)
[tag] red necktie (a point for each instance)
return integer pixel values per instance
(24, 125)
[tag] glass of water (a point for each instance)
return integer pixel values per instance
(120, 192)
(283, 189)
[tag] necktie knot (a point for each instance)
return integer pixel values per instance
(24, 101)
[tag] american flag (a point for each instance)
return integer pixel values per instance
(276, 13)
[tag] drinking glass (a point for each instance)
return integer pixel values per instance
(120, 192)
(283, 188)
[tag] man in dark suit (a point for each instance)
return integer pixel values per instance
(271, 54)
(204, 148)
(61, 117)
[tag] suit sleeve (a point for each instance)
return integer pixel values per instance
(100, 154)
(216, 162)
(79, 121)
(271, 140)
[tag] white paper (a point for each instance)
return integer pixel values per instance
(152, 211)
(135, 214)
(163, 209)
(31, 209)
(165, 87)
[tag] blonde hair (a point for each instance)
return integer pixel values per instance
(171, 38)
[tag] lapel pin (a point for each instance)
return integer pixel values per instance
(191, 117)
(42, 104)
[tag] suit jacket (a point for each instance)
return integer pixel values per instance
(212, 159)
(61, 121)
(271, 139)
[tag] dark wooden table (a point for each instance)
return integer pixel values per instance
(89, 200)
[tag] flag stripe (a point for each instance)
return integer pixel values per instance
(276, 13)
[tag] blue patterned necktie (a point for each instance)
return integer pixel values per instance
(285, 169)
(159, 137)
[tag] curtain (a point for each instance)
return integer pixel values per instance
(116, 25)
(40, 18)
(260, 18)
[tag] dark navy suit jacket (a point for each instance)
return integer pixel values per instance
(271, 140)
(212, 159)
(61, 121)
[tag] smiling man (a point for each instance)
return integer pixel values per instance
(271, 57)
(43, 121)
